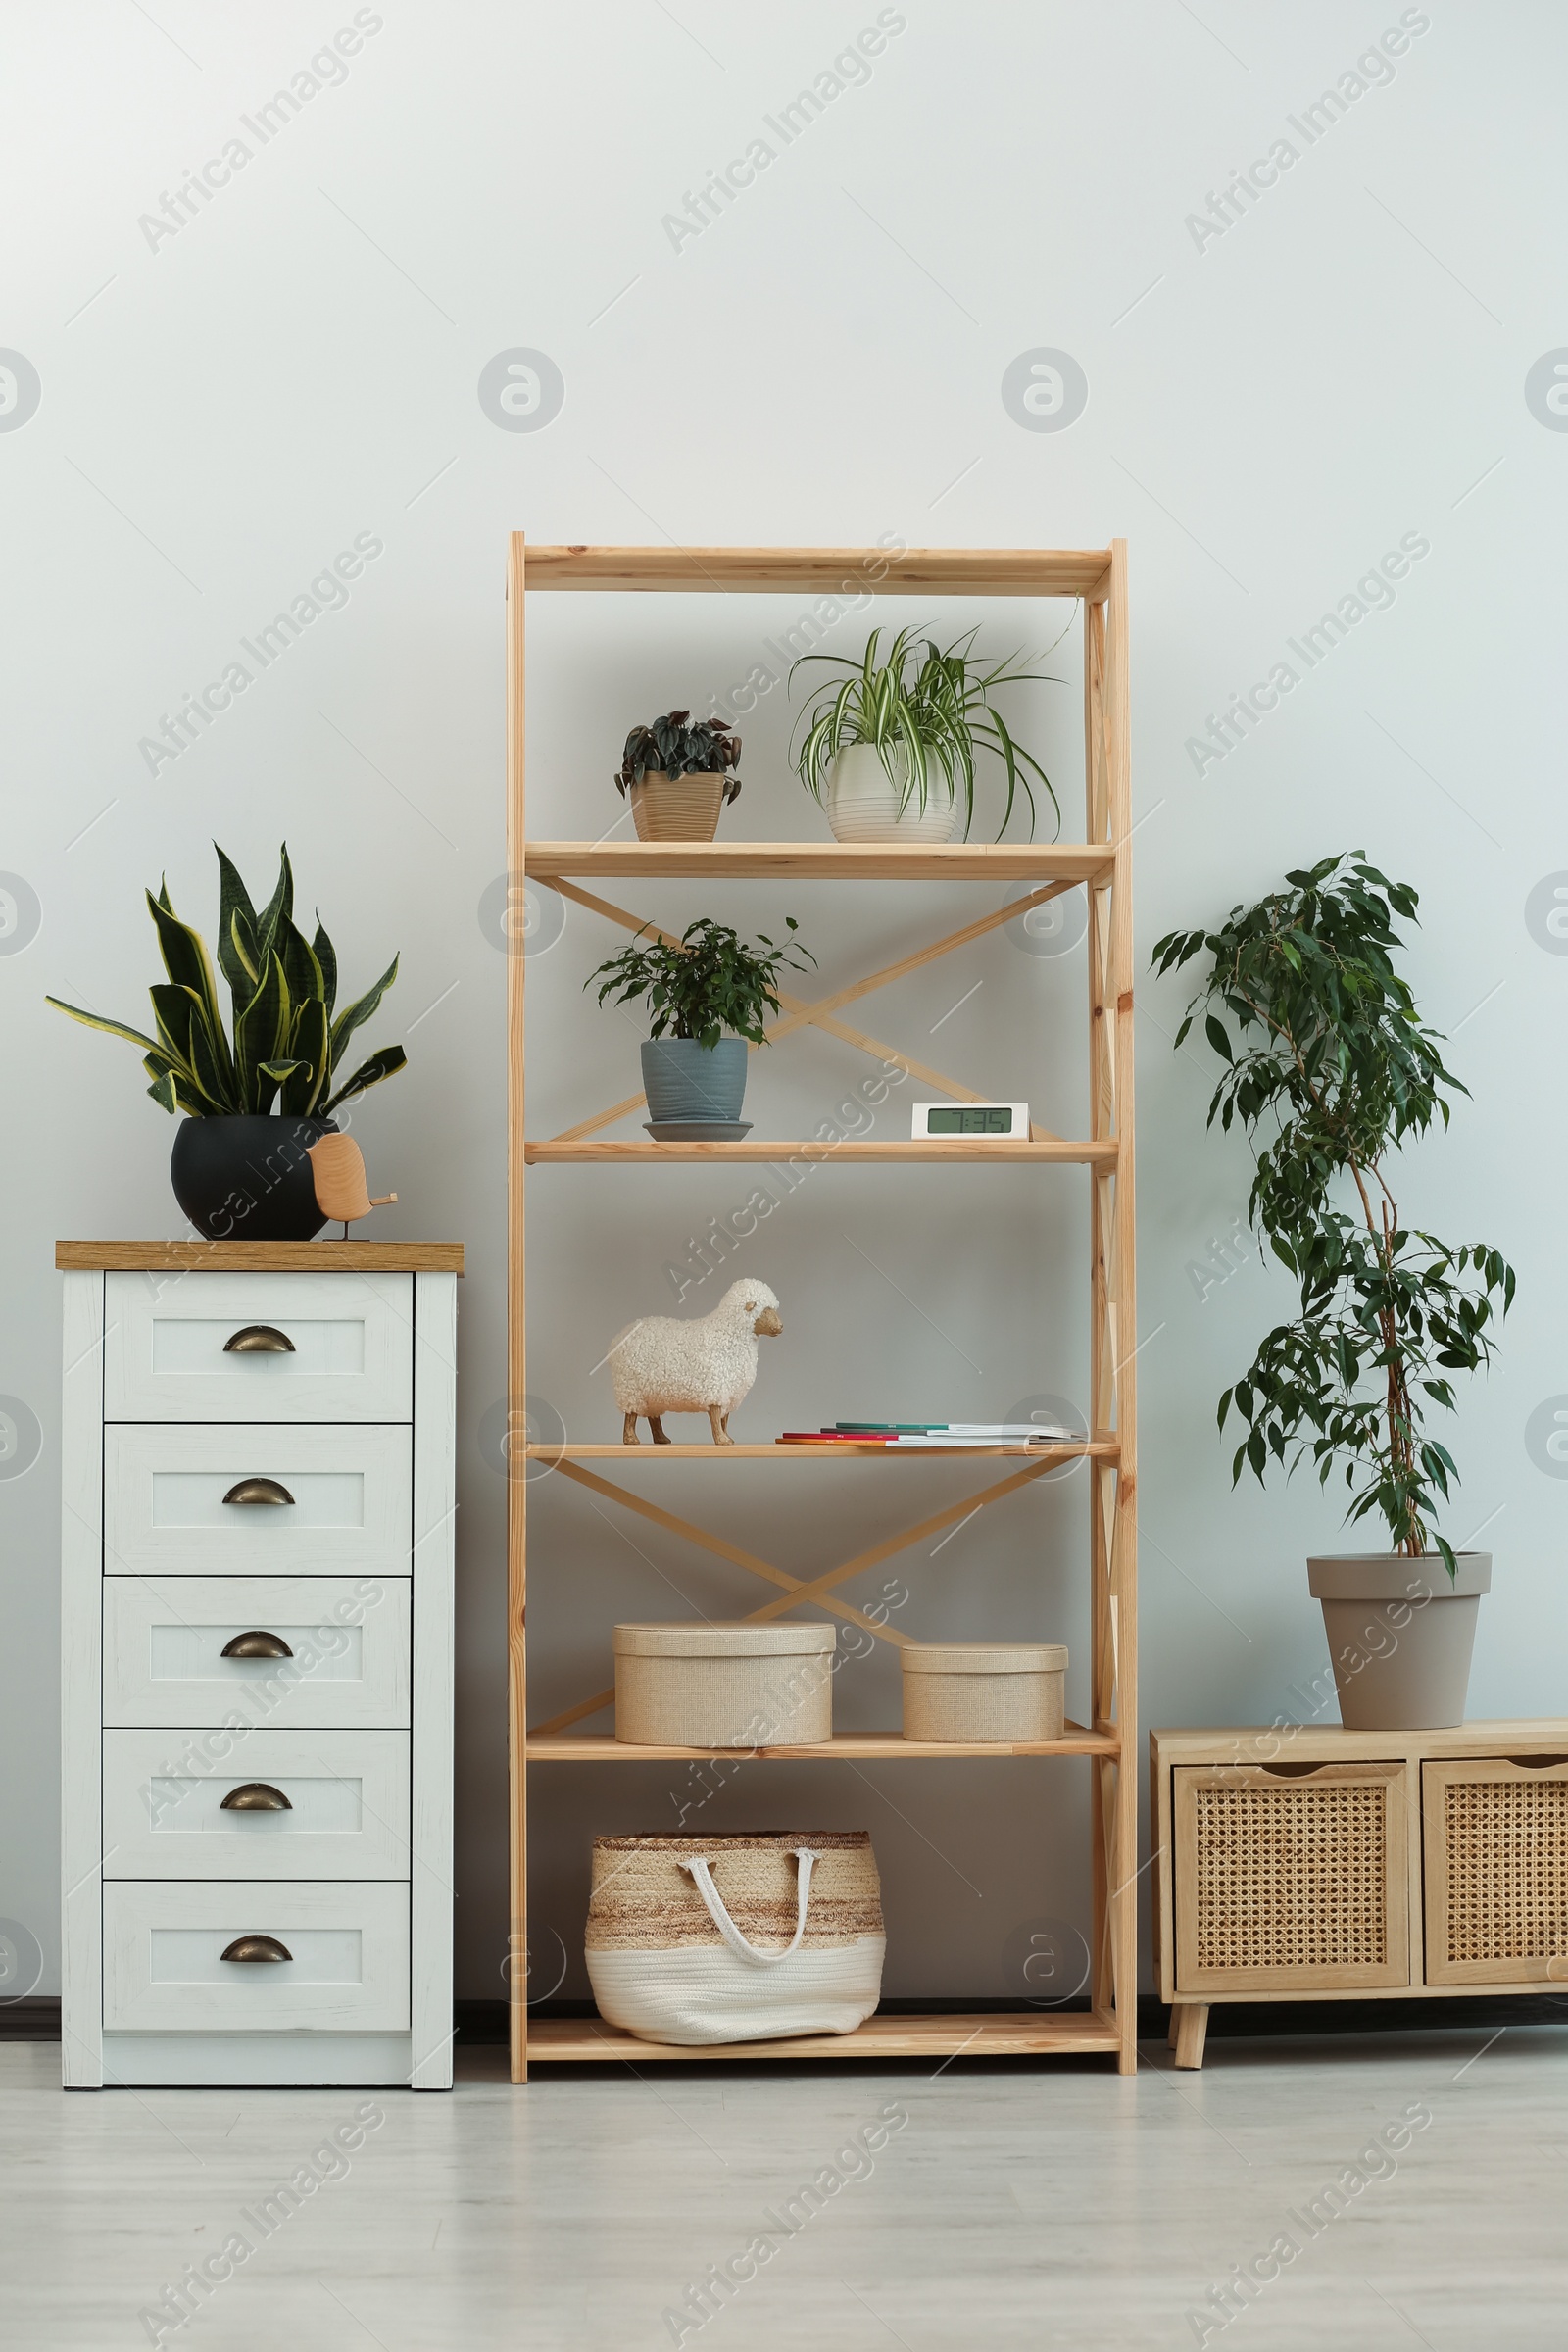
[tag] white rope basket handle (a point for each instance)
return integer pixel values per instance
(805, 1861)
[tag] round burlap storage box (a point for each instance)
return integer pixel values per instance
(983, 1690)
(724, 1685)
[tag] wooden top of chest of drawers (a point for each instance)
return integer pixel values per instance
(260, 1257)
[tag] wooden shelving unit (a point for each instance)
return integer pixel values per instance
(1102, 862)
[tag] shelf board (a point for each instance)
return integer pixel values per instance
(825, 860)
(845, 1747)
(1003, 2033)
(772, 570)
(1060, 1152)
(1101, 1450)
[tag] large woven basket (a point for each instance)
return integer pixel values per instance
(736, 1938)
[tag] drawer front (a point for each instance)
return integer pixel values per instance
(344, 1812)
(1290, 1881)
(1496, 1869)
(346, 1639)
(347, 1356)
(349, 1509)
(163, 1969)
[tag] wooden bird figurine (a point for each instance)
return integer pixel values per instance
(337, 1168)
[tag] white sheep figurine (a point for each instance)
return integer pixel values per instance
(660, 1365)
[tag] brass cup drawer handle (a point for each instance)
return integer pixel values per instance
(258, 1339)
(257, 1644)
(258, 1489)
(257, 1947)
(255, 1797)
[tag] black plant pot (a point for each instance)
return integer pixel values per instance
(249, 1179)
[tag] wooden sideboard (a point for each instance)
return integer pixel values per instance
(1309, 1863)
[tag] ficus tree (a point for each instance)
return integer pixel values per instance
(706, 985)
(1329, 1069)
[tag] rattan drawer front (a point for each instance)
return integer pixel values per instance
(1497, 1870)
(1290, 1881)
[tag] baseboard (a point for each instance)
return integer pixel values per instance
(36, 2019)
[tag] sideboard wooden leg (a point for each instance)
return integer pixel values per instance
(1174, 2026)
(1192, 2025)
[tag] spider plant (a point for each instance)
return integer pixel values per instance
(288, 1032)
(928, 715)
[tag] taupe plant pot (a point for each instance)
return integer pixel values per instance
(1400, 1634)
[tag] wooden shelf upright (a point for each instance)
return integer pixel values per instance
(1101, 863)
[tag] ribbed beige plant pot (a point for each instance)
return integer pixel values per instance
(862, 800)
(1001, 1690)
(1400, 1634)
(724, 1685)
(677, 809)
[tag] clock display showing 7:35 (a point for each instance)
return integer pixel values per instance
(978, 1122)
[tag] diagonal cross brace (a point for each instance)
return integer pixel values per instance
(796, 1590)
(799, 1013)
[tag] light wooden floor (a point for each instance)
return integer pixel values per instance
(1055, 2206)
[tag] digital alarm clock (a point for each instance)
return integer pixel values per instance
(973, 1122)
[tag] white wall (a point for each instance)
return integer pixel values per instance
(1269, 411)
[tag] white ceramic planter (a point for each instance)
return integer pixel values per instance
(1400, 1632)
(863, 804)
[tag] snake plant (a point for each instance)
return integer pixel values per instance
(927, 717)
(288, 1033)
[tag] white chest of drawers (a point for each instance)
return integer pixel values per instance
(256, 1616)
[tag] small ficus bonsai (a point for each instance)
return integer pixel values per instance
(706, 985)
(288, 1033)
(1328, 1061)
(675, 749)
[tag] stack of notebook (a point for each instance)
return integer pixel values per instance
(925, 1435)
